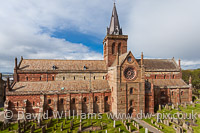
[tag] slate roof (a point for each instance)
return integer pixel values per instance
(169, 83)
(114, 28)
(56, 86)
(160, 65)
(157, 65)
(62, 65)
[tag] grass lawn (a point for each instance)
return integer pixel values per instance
(188, 110)
(108, 125)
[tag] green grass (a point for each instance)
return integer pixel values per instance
(2, 109)
(108, 125)
(183, 110)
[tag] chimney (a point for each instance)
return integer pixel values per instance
(179, 63)
(117, 58)
(142, 61)
(8, 85)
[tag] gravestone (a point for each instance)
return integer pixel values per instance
(61, 128)
(174, 127)
(114, 124)
(146, 130)
(173, 106)
(166, 106)
(160, 108)
(80, 128)
(185, 125)
(129, 129)
(166, 122)
(19, 130)
(43, 129)
(138, 126)
(133, 122)
(152, 121)
(32, 128)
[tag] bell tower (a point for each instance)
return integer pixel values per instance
(114, 42)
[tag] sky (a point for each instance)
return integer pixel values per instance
(75, 29)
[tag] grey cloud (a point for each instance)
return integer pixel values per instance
(161, 29)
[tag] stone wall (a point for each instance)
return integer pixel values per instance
(108, 43)
(66, 103)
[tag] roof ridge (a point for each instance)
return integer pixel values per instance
(62, 60)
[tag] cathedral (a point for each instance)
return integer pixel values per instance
(119, 83)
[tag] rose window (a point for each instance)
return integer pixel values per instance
(129, 73)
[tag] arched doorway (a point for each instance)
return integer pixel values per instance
(50, 112)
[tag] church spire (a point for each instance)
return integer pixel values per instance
(114, 28)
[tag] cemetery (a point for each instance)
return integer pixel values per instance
(186, 124)
(72, 125)
(183, 124)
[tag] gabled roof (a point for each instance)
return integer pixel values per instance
(160, 65)
(59, 86)
(62, 65)
(169, 83)
(152, 65)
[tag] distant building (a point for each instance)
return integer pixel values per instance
(2, 90)
(119, 84)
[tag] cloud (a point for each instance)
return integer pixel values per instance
(161, 29)
(165, 29)
(26, 28)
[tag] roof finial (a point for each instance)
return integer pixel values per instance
(114, 1)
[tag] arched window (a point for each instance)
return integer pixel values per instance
(131, 90)
(26, 78)
(85, 99)
(162, 93)
(182, 93)
(164, 76)
(119, 48)
(17, 104)
(49, 101)
(155, 76)
(62, 101)
(106, 98)
(96, 99)
(74, 78)
(40, 78)
(73, 100)
(103, 77)
(173, 76)
(63, 78)
(131, 102)
(113, 48)
(53, 78)
(33, 103)
(94, 77)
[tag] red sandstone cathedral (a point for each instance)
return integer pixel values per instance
(119, 84)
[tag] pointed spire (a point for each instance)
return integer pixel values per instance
(114, 28)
